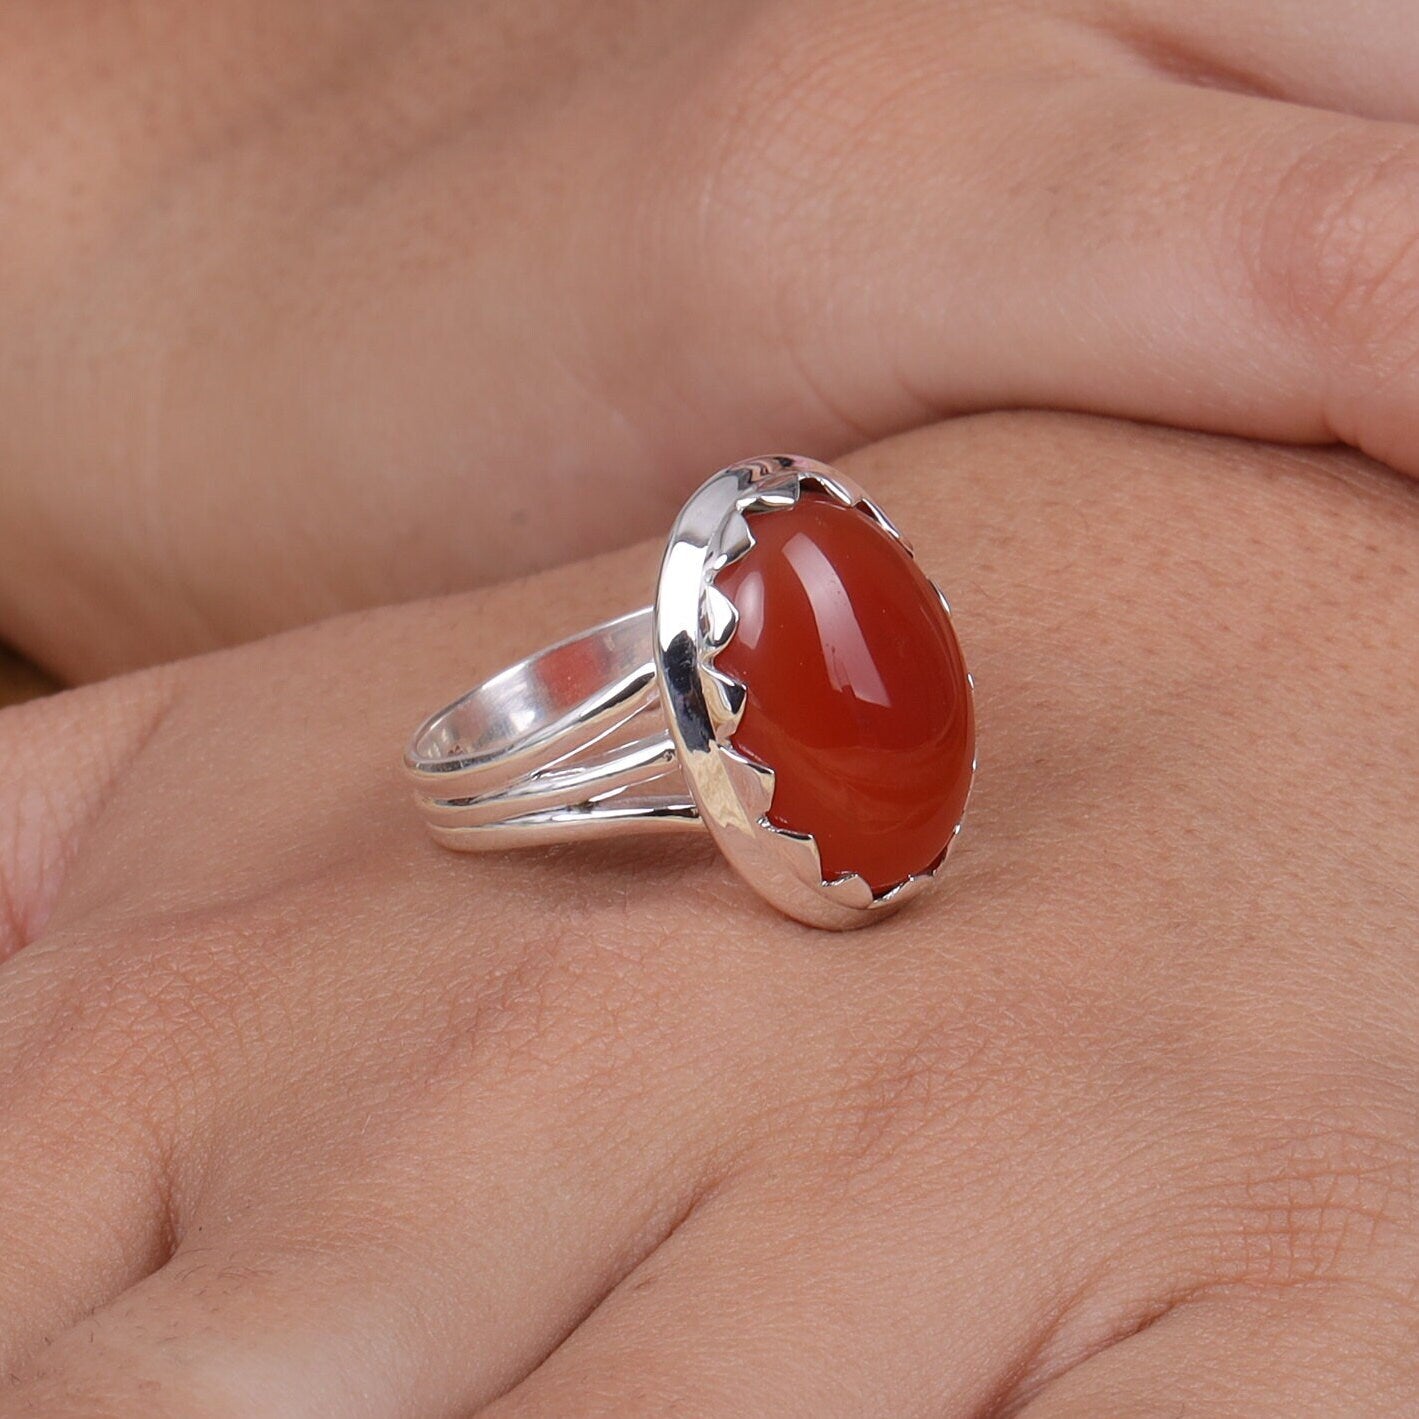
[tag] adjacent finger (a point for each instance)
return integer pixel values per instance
(387, 1321)
(1361, 57)
(1175, 254)
(84, 1186)
(777, 1307)
(397, 1267)
(1316, 1353)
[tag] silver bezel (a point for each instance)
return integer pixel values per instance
(693, 623)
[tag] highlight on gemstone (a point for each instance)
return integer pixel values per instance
(856, 692)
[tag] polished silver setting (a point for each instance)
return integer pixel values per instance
(628, 726)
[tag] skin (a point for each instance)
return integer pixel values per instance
(302, 1115)
(397, 285)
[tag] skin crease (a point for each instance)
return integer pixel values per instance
(396, 285)
(1121, 1122)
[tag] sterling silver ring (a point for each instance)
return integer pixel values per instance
(796, 688)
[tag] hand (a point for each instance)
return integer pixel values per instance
(304, 1116)
(305, 307)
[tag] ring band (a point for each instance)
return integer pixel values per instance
(796, 688)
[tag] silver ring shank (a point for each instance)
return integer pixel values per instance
(569, 744)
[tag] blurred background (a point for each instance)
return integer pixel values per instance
(19, 681)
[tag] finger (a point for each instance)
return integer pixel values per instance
(1361, 57)
(375, 1318)
(776, 1307)
(398, 1268)
(58, 759)
(82, 1186)
(104, 1083)
(1193, 257)
(1305, 1355)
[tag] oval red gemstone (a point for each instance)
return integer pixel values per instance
(857, 695)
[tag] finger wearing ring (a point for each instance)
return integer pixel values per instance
(797, 688)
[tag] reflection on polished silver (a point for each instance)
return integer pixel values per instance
(627, 727)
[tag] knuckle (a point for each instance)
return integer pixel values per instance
(796, 91)
(906, 1087)
(1320, 1200)
(136, 1021)
(786, 159)
(55, 778)
(892, 1098)
(94, 1019)
(568, 1002)
(79, 1078)
(1337, 248)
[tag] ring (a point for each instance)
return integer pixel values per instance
(797, 688)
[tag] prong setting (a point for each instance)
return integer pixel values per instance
(725, 697)
(721, 617)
